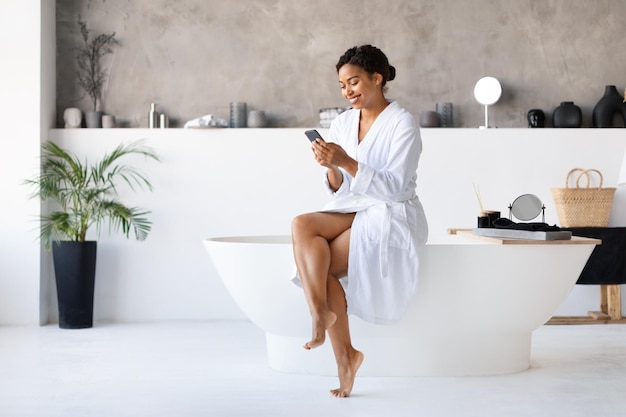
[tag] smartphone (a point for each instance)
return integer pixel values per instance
(313, 134)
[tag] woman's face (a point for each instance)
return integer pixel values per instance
(358, 86)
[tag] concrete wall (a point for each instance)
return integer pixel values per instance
(194, 57)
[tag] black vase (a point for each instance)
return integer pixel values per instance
(567, 115)
(610, 104)
(75, 273)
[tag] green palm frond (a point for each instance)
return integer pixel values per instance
(127, 218)
(87, 194)
(106, 172)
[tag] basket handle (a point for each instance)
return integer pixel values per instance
(569, 174)
(586, 172)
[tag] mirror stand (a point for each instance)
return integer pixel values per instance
(543, 213)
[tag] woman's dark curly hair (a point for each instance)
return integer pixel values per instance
(371, 59)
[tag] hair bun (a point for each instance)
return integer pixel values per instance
(392, 73)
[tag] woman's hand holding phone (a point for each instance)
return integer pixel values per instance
(313, 135)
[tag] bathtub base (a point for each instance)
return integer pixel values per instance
(458, 355)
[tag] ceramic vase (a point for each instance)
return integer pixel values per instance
(610, 104)
(93, 119)
(256, 118)
(567, 115)
(238, 114)
(429, 118)
(444, 110)
(108, 121)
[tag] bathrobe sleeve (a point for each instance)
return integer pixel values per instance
(344, 189)
(336, 132)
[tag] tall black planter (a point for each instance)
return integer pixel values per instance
(75, 272)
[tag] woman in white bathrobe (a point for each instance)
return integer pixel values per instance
(359, 254)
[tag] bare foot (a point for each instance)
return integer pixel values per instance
(320, 324)
(347, 373)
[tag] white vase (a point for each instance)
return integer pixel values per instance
(108, 121)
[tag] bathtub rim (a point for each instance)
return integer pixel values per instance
(458, 239)
(252, 239)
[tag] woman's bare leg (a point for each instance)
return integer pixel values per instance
(311, 235)
(348, 358)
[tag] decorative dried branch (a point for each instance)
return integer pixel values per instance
(89, 75)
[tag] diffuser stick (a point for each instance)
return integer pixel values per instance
(480, 201)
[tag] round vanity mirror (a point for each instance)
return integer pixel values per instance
(526, 207)
(487, 91)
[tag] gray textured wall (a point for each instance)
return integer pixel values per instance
(193, 57)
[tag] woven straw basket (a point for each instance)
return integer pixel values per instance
(583, 207)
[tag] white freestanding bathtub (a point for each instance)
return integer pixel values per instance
(477, 304)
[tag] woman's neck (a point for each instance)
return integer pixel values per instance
(368, 116)
(371, 113)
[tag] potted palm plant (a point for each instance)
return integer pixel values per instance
(90, 76)
(85, 196)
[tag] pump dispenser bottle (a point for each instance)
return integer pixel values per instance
(153, 117)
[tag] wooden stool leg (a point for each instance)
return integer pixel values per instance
(604, 302)
(610, 309)
(614, 301)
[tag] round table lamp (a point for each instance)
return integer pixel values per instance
(487, 91)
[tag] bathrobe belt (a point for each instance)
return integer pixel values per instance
(384, 241)
(385, 233)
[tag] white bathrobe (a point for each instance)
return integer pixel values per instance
(390, 223)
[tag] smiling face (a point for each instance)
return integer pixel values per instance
(359, 87)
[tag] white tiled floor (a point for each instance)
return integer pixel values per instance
(215, 369)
